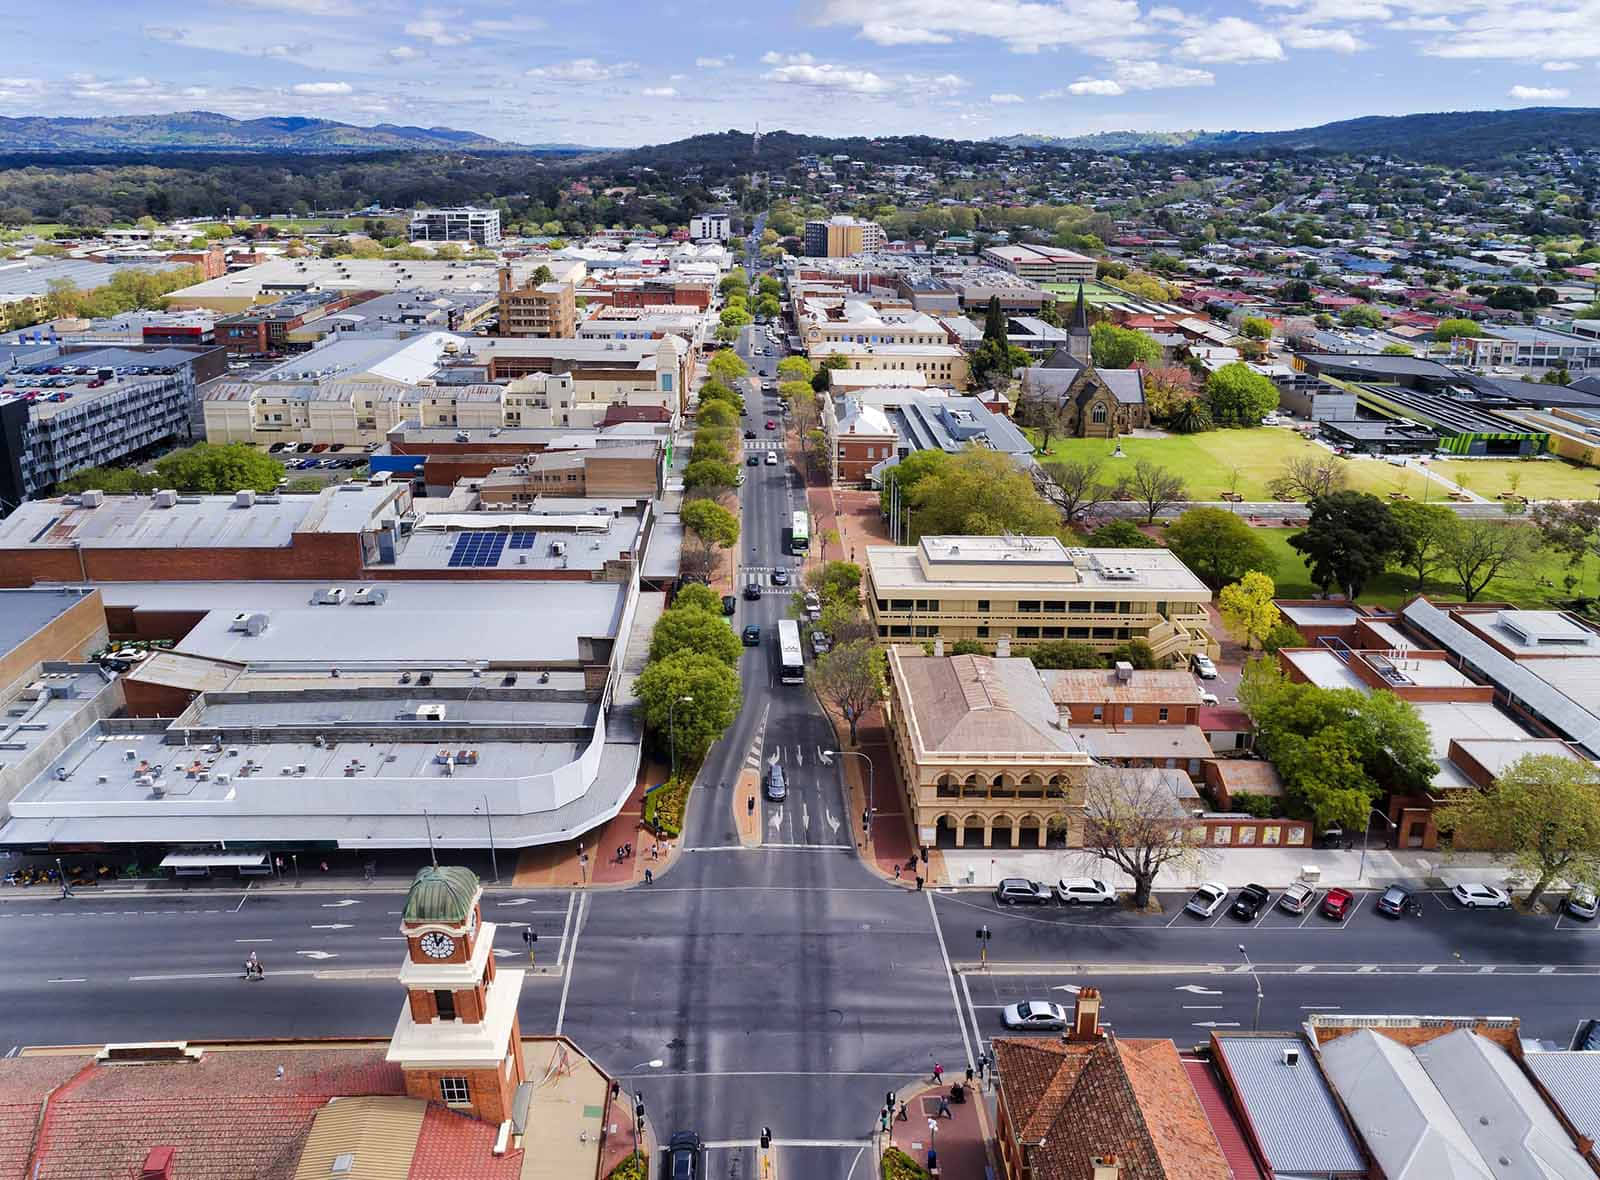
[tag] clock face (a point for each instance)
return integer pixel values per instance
(436, 945)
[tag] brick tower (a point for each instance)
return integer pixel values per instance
(457, 1038)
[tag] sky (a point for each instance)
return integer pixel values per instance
(626, 72)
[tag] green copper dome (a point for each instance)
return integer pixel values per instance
(441, 895)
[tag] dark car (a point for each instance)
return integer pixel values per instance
(1249, 902)
(753, 461)
(683, 1156)
(749, 434)
(729, 604)
(752, 635)
(1337, 903)
(752, 592)
(1394, 902)
(1021, 891)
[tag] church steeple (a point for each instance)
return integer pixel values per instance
(1078, 334)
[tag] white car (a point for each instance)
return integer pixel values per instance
(1203, 667)
(1207, 698)
(1297, 898)
(1084, 891)
(1039, 1014)
(1207, 899)
(1473, 896)
(1581, 903)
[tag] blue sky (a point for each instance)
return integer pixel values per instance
(617, 72)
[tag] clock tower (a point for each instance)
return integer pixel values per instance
(457, 1039)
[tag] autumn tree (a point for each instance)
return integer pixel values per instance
(849, 680)
(1135, 819)
(1247, 607)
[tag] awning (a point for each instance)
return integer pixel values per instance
(213, 860)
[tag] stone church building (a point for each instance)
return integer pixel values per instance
(1095, 403)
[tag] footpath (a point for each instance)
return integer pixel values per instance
(953, 1137)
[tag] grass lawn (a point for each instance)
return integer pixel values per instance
(1205, 460)
(1520, 587)
(1542, 479)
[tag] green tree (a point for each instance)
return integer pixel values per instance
(979, 493)
(1347, 541)
(696, 597)
(994, 322)
(1122, 348)
(736, 281)
(1396, 350)
(711, 522)
(216, 469)
(710, 475)
(835, 581)
(993, 362)
(795, 368)
(1137, 652)
(768, 307)
(695, 630)
(1362, 315)
(1063, 653)
(1240, 396)
(114, 481)
(716, 413)
(1218, 546)
(1121, 534)
(727, 367)
(1247, 608)
(1192, 416)
(1451, 329)
(712, 687)
(907, 474)
(849, 680)
(1255, 327)
(734, 317)
(1282, 636)
(1476, 552)
(1422, 529)
(715, 390)
(1542, 815)
(543, 274)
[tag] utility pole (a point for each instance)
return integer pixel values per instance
(1255, 1025)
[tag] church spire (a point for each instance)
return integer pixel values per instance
(1078, 341)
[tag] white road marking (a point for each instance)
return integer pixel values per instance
(1202, 1007)
(76, 979)
(244, 898)
(338, 905)
(317, 954)
(949, 973)
(566, 983)
(1216, 1024)
(1196, 989)
(332, 926)
(252, 940)
(726, 1144)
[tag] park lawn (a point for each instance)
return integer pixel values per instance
(1205, 460)
(1542, 479)
(1519, 587)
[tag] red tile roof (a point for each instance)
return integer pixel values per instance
(25, 1082)
(456, 1147)
(1230, 1135)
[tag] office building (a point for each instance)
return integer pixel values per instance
(1041, 264)
(1012, 591)
(710, 227)
(545, 309)
(465, 224)
(842, 236)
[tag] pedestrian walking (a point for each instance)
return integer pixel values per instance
(649, 877)
(896, 872)
(902, 1117)
(969, 1077)
(938, 1073)
(655, 851)
(883, 1118)
(944, 1108)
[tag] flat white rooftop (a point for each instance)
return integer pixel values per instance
(1325, 670)
(1449, 721)
(1320, 616)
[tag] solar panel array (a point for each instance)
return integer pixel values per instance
(477, 550)
(522, 539)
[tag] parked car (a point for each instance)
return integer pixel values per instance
(1208, 698)
(771, 425)
(1487, 896)
(820, 644)
(1247, 906)
(1203, 667)
(1337, 904)
(683, 1156)
(1580, 903)
(1207, 899)
(813, 605)
(777, 789)
(1084, 891)
(729, 604)
(1038, 1014)
(1395, 902)
(1297, 898)
(751, 635)
(1020, 890)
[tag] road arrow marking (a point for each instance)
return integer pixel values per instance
(504, 954)
(1216, 1024)
(799, 755)
(317, 954)
(332, 926)
(339, 905)
(1067, 987)
(831, 820)
(775, 821)
(1196, 989)
(805, 817)
(824, 756)
(516, 901)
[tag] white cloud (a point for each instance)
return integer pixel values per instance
(1232, 39)
(1102, 86)
(1168, 15)
(801, 69)
(880, 33)
(1006, 99)
(317, 89)
(713, 63)
(1423, 24)
(1559, 30)
(1156, 75)
(1561, 67)
(163, 33)
(437, 30)
(584, 69)
(1336, 40)
(306, 7)
(659, 92)
(1023, 26)
(403, 53)
(1535, 93)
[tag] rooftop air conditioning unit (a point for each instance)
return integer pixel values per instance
(166, 498)
(370, 596)
(244, 498)
(92, 498)
(249, 622)
(329, 596)
(430, 713)
(1291, 1056)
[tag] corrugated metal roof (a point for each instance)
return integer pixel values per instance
(1573, 1082)
(379, 1133)
(1575, 723)
(1289, 1108)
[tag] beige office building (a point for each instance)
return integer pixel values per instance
(1018, 591)
(938, 364)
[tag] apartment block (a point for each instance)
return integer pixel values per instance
(465, 224)
(547, 309)
(841, 237)
(266, 327)
(710, 227)
(1010, 591)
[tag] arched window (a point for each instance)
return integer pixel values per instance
(1098, 414)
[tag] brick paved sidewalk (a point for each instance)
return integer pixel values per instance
(558, 866)
(960, 1140)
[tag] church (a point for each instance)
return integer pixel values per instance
(1094, 402)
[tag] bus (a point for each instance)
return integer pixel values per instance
(791, 660)
(800, 534)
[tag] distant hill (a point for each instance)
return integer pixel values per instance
(725, 150)
(1449, 137)
(208, 131)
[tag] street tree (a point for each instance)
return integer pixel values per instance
(1423, 531)
(698, 560)
(1255, 327)
(712, 687)
(1240, 396)
(727, 367)
(1218, 546)
(1247, 607)
(1542, 816)
(1153, 488)
(735, 316)
(835, 581)
(716, 413)
(1113, 347)
(1347, 541)
(1305, 477)
(795, 368)
(1476, 551)
(696, 597)
(692, 629)
(1134, 819)
(849, 680)
(1121, 534)
(1076, 487)
(217, 469)
(713, 475)
(711, 522)
(734, 282)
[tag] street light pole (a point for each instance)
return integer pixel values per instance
(1255, 1025)
(494, 858)
(428, 823)
(672, 730)
(871, 808)
(1367, 835)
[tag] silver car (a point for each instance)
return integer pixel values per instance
(1039, 1014)
(1581, 903)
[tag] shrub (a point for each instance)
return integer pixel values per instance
(897, 1165)
(1260, 806)
(664, 807)
(631, 1168)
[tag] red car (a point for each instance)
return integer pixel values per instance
(771, 425)
(1337, 904)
